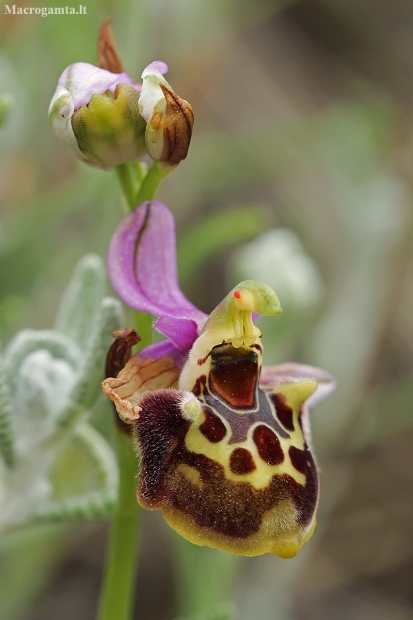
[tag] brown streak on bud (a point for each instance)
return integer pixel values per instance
(108, 55)
(177, 132)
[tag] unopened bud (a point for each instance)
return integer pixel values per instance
(110, 131)
(169, 118)
(108, 120)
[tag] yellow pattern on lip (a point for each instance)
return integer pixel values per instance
(260, 478)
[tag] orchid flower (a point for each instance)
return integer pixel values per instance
(107, 119)
(224, 442)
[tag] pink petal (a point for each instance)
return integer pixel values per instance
(157, 66)
(142, 267)
(181, 332)
(83, 80)
(160, 350)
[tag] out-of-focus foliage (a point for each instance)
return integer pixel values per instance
(303, 119)
(49, 384)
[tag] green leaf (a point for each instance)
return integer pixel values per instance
(89, 490)
(88, 386)
(28, 341)
(82, 299)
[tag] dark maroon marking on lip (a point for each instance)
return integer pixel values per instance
(212, 428)
(203, 359)
(300, 422)
(199, 385)
(303, 462)
(241, 462)
(268, 445)
(301, 459)
(241, 421)
(221, 506)
(257, 346)
(233, 376)
(284, 411)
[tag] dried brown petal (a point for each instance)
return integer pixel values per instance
(120, 351)
(137, 378)
(108, 55)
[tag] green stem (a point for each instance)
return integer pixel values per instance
(116, 602)
(128, 183)
(143, 324)
(152, 180)
(130, 177)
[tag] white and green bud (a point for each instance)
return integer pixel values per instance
(107, 120)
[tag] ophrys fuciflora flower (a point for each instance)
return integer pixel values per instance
(224, 441)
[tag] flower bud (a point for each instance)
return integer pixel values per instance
(169, 118)
(96, 113)
(106, 121)
(110, 131)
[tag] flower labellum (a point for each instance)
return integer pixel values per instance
(224, 442)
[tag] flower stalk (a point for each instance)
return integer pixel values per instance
(156, 173)
(139, 184)
(130, 178)
(117, 595)
(116, 602)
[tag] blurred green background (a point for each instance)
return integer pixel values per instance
(302, 123)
